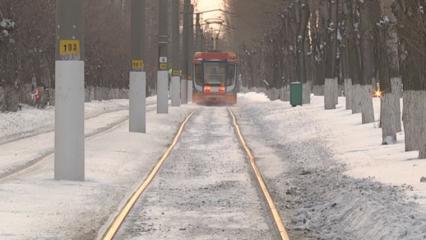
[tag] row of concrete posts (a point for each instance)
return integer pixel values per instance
(69, 76)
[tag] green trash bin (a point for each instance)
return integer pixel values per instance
(296, 92)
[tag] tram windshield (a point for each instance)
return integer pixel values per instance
(218, 73)
(214, 73)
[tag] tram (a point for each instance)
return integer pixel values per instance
(215, 78)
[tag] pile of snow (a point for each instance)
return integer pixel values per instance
(254, 97)
(330, 175)
(357, 146)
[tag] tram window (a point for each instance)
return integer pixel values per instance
(198, 74)
(231, 75)
(214, 73)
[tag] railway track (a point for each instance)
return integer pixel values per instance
(49, 152)
(271, 204)
(48, 129)
(151, 213)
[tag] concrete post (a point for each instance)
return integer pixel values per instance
(190, 91)
(187, 7)
(137, 81)
(137, 102)
(175, 91)
(174, 52)
(190, 52)
(190, 42)
(69, 92)
(163, 66)
(162, 92)
(174, 38)
(184, 91)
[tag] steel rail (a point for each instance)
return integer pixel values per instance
(115, 225)
(263, 187)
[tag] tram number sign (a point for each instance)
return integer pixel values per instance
(163, 63)
(69, 48)
(163, 66)
(137, 64)
(176, 72)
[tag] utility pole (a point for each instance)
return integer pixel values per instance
(174, 50)
(69, 91)
(137, 81)
(188, 40)
(190, 51)
(163, 66)
(185, 47)
(198, 34)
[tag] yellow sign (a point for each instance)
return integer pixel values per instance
(163, 66)
(137, 64)
(69, 48)
(176, 72)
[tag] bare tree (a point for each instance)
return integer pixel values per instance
(388, 69)
(369, 14)
(329, 31)
(411, 24)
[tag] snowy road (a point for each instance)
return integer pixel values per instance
(205, 190)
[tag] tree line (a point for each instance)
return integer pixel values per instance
(353, 47)
(27, 46)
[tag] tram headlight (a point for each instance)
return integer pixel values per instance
(207, 89)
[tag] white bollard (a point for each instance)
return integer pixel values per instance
(175, 91)
(163, 92)
(137, 102)
(69, 120)
(189, 91)
(184, 91)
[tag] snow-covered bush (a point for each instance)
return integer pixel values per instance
(6, 28)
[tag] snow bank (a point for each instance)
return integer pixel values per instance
(34, 206)
(254, 97)
(358, 146)
(330, 175)
(32, 121)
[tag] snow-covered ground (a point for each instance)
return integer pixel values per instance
(34, 206)
(330, 174)
(31, 121)
(357, 146)
(25, 144)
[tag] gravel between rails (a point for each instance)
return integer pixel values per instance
(205, 190)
